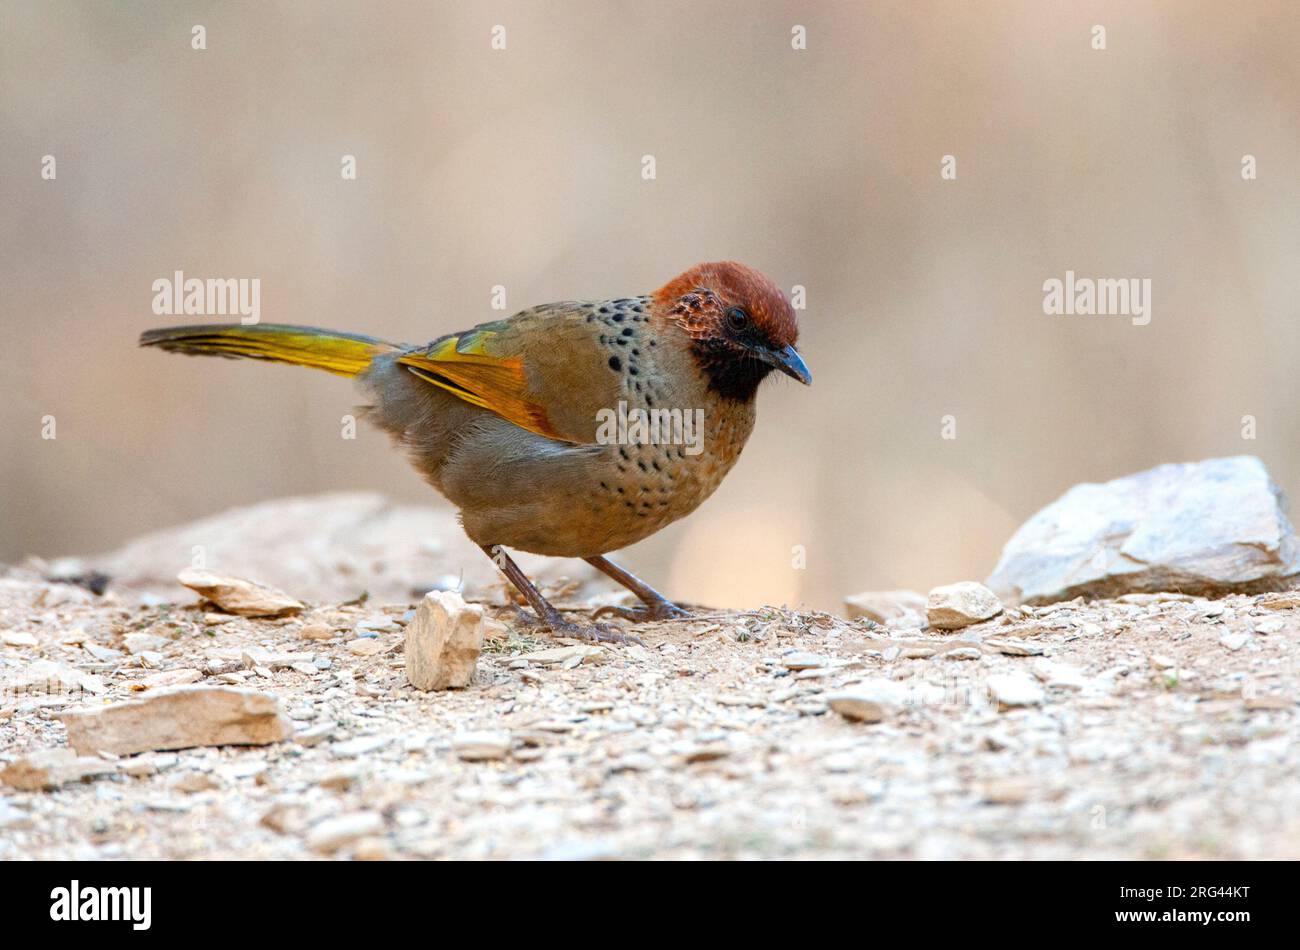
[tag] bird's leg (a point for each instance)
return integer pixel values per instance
(547, 614)
(657, 606)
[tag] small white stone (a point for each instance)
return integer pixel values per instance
(360, 746)
(334, 833)
(1015, 689)
(562, 655)
(481, 746)
(443, 642)
(178, 718)
(239, 596)
(884, 606)
(137, 643)
(1234, 641)
(953, 606)
(802, 660)
(868, 701)
(1060, 675)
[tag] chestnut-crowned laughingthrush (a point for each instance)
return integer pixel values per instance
(505, 419)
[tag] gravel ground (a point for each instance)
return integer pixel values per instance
(1156, 726)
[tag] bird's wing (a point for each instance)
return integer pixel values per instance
(541, 369)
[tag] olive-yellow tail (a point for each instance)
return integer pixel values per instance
(345, 354)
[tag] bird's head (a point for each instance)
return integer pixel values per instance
(740, 326)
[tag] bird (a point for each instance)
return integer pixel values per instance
(541, 427)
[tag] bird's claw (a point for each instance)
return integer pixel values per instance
(643, 613)
(594, 632)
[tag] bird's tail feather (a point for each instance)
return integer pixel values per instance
(346, 354)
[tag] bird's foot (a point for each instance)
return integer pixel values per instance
(644, 613)
(593, 632)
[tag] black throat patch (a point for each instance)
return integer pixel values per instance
(732, 374)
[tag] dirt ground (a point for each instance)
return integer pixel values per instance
(1164, 727)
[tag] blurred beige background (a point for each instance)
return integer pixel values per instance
(522, 168)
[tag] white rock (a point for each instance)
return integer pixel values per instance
(45, 677)
(1234, 641)
(563, 655)
(957, 605)
(253, 657)
(17, 638)
(868, 701)
(239, 596)
(1270, 626)
(317, 631)
(802, 660)
(443, 641)
(180, 677)
(137, 643)
(1206, 527)
(315, 734)
(178, 718)
(1060, 675)
(1015, 689)
(360, 746)
(481, 746)
(51, 768)
(334, 833)
(891, 607)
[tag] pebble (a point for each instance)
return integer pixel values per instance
(334, 833)
(1234, 641)
(481, 746)
(361, 746)
(178, 718)
(443, 642)
(137, 643)
(579, 652)
(953, 606)
(102, 654)
(377, 623)
(1015, 689)
(800, 660)
(51, 768)
(868, 701)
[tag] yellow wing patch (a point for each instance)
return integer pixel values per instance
(462, 366)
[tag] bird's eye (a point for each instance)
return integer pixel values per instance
(737, 320)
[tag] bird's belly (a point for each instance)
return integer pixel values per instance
(581, 501)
